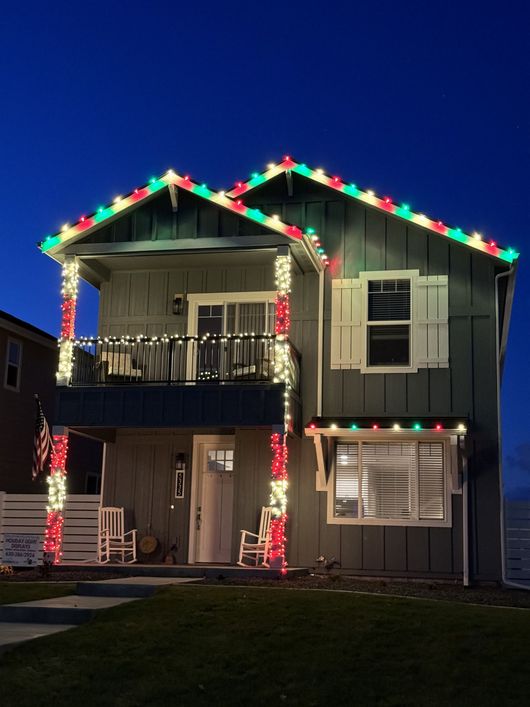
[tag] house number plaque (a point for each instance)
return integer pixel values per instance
(180, 475)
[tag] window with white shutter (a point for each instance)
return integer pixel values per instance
(390, 322)
(390, 483)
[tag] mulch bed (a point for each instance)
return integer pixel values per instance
(38, 575)
(487, 595)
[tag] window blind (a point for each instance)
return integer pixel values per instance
(431, 479)
(388, 480)
(388, 300)
(347, 480)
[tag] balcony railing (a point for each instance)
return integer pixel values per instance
(183, 359)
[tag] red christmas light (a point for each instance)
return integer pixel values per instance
(68, 308)
(53, 535)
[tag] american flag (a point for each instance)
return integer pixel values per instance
(42, 442)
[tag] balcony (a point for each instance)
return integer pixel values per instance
(179, 381)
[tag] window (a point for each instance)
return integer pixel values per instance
(220, 460)
(92, 483)
(231, 313)
(388, 322)
(390, 483)
(13, 364)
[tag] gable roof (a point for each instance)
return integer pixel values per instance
(87, 224)
(288, 164)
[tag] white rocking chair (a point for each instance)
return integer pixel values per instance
(258, 548)
(112, 539)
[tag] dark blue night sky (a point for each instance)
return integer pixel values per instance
(426, 102)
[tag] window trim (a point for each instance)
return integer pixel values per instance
(364, 278)
(14, 389)
(350, 439)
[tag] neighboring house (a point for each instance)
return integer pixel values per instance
(28, 362)
(225, 325)
(28, 366)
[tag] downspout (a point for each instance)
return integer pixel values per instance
(507, 273)
(320, 351)
(465, 512)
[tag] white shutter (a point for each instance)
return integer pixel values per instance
(431, 329)
(346, 309)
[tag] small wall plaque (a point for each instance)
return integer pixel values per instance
(180, 475)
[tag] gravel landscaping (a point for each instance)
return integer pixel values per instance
(77, 575)
(487, 595)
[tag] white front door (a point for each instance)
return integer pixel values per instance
(215, 501)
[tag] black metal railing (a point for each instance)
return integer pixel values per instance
(184, 359)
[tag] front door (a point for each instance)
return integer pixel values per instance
(215, 501)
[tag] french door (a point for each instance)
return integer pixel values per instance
(222, 315)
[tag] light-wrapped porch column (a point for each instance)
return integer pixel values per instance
(57, 479)
(279, 480)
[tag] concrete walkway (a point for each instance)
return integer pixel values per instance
(27, 620)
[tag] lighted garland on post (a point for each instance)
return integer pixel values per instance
(53, 535)
(279, 480)
(68, 308)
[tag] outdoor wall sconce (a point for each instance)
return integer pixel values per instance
(178, 304)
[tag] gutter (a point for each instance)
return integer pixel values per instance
(501, 345)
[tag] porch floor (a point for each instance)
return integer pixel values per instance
(197, 571)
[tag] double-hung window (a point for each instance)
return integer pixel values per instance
(13, 364)
(389, 322)
(390, 483)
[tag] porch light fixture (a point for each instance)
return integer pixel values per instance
(178, 304)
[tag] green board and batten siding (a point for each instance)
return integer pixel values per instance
(357, 238)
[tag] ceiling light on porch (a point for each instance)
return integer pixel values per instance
(396, 427)
(461, 428)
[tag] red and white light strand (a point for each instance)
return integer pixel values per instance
(53, 536)
(279, 475)
(68, 309)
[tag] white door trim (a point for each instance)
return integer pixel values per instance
(195, 476)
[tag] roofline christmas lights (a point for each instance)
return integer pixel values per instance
(171, 178)
(385, 203)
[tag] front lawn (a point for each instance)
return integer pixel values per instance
(225, 646)
(11, 592)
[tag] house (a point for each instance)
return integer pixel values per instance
(296, 342)
(28, 364)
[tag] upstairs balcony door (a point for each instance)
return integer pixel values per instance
(214, 360)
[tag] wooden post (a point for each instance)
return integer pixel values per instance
(279, 474)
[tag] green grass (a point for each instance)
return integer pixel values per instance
(228, 646)
(11, 592)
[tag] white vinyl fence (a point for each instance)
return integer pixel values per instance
(517, 537)
(26, 514)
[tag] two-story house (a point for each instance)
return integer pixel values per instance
(296, 342)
